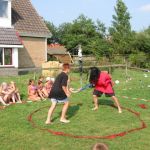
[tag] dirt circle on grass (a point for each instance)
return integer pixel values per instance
(112, 136)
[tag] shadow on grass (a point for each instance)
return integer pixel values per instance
(106, 103)
(72, 111)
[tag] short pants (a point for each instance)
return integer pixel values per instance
(53, 100)
(99, 93)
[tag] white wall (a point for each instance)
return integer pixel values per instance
(15, 57)
(6, 22)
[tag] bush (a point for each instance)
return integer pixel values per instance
(139, 60)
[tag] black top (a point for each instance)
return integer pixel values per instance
(57, 91)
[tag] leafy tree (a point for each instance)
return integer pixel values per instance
(85, 32)
(142, 42)
(53, 29)
(120, 32)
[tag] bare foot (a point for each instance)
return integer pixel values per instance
(95, 108)
(48, 123)
(120, 111)
(64, 121)
(19, 102)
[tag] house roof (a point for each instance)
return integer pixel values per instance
(56, 49)
(26, 20)
(9, 36)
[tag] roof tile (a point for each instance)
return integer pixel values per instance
(9, 36)
(26, 20)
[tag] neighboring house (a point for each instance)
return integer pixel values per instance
(58, 52)
(23, 35)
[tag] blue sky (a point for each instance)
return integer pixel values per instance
(60, 11)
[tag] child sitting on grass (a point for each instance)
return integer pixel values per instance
(1, 99)
(60, 94)
(33, 91)
(7, 94)
(15, 90)
(49, 84)
(42, 90)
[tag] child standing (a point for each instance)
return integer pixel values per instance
(60, 94)
(103, 85)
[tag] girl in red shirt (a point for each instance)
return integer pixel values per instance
(103, 85)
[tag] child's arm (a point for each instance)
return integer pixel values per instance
(6, 93)
(28, 91)
(66, 90)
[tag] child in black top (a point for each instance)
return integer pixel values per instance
(59, 94)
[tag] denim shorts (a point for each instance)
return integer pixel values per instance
(53, 100)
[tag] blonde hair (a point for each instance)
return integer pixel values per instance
(1, 86)
(12, 82)
(4, 83)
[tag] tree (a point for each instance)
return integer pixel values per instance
(120, 32)
(53, 29)
(142, 41)
(83, 31)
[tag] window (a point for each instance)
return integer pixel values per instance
(5, 56)
(8, 56)
(1, 56)
(3, 9)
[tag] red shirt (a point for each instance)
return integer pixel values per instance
(104, 83)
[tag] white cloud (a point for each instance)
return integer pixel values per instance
(145, 8)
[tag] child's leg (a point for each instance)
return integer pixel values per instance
(95, 99)
(64, 111)
(117, 103)
(37, 98)
(1, 100)
(45, 93)
(6, 98)
(40, 94)
(18, 96)
(13, 98)
(50, 112)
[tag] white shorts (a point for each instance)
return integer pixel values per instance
(53, 100)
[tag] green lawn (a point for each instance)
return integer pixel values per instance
(16, 133)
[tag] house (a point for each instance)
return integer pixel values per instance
(23, 36)
(58, 52)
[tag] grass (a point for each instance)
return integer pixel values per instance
(16, 133)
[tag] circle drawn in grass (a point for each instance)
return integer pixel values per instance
(112, 136)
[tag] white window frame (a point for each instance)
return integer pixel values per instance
(2, 66)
